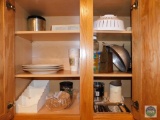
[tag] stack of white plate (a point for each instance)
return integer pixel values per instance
(42, 68)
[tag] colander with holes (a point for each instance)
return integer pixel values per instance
(108, 22)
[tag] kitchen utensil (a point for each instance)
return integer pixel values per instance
(121, 57)
(42, 68)
(36, 23)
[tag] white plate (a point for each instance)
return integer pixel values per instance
(43, 66)
(44, 72)
(41, 71)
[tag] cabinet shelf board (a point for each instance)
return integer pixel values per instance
(114, 74)
(113, 31)
(113, 116)
(71, 113)
(49, 35)
(64, 73)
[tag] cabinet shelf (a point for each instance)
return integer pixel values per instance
(113, 116)
(114, 74)
(113, 31)
(65, 73)
(49, 35)
(70, 113)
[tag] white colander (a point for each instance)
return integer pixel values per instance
(108, 22)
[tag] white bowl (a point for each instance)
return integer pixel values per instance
(108, 22)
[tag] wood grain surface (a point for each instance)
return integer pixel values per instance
(150, 36)
(145, 55)
(7, 86)
(136, 60)
(2, 80)
(86, 61)
(109, 116)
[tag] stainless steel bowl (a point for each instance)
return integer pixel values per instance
(121, 57)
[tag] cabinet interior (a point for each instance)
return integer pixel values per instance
(48, 47)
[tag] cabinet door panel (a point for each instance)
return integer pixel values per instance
(6, 60)
(146, 56)
(150, 35)
(2, 94)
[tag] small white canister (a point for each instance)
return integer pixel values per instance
(115, 91)
(74, 55)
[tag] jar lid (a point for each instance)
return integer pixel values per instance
(98, 84)
(116, 83)
(35, 16)
(66, 83)
(94, 37)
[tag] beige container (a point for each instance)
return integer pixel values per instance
(74, 55)
(36, 23)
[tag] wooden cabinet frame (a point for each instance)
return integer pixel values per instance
(145, 62)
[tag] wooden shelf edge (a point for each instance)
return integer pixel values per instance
(70, 31)
(72, 74)
(46, 117)
(113, 31)
(46, 32)
(71, 35)
(65, 73)
(113, 116)
(114, 74)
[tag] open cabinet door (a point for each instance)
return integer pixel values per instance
(146, 59)
(7, 85)
(150, 36)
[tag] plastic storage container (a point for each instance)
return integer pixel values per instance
(33, 98)
(109, 22)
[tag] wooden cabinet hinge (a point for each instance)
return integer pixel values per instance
(10, 6)
(10, 105)
(135, 5)
(135, 104)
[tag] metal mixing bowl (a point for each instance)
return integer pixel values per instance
(121, 57)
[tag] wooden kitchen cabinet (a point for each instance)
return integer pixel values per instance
(19, 46)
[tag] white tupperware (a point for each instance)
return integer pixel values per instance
(33, 98)
(108, 22)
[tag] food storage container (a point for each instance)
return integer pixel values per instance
(36, 23)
